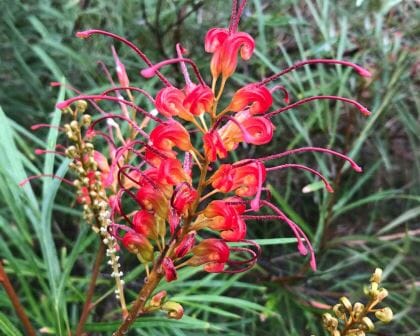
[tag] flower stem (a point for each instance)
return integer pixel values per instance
(7, 285)
(89, 295)
(152, 281)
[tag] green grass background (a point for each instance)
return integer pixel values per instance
(372, 220)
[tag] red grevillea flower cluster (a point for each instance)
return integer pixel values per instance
(175, 197)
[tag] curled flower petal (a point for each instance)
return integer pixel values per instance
(212, 253)
(185, 245)
(213, 146)
(138, 244)
(225, 47)
(169, 102)
(260, 130)
(184, 196)
(258, 98)
(169, 269)
(199, 100)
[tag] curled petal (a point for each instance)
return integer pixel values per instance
(169, 102)
(212, 253)
(258, 98)
(214, 39)
(213, 146)
(225, 47)
(237, 42)
(183, 197)
(223, 178)
(185, 245)
(144, 223)
(152, 200)
(171, 172)
(169, 269)
(199, 100)
(249, 178)
(171, 134)
(174, 309)
(138, 244)
(226, 217)
(260, 130)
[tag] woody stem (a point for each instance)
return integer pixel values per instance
(152, 281)
(7, 285)
(87, 307)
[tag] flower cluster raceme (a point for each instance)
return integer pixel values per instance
(175, 197)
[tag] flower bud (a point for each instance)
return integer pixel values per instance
(339, 311)
(385, 314)
(74, 125)
(138, 244)
(156, 300)
(376, 276)
(367, 322)
(185, 245)
(174, 309)
(382, 294)
(81, 106)
(358, 309)
(169, 269)
(86, 120)
(330, 322)
(346, 303)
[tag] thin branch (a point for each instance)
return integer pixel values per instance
(87, 307)
(7, 285)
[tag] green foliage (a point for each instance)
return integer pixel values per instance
(370, 221)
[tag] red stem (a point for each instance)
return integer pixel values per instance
(7, 285)
(87, 307)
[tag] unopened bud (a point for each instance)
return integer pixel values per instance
(384, 314)
(174, 309)
(382, 294)
(368, 323)
(339, 311)
(74, 125)
(156, 300)
(376, 276)
(71, 152)
(86, 120)
(81, 105)
(358, 309)
(346, 303)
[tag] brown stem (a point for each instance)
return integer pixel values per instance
(152, 281)
(89, 295)
(7, 285)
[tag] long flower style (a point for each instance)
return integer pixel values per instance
(170, 195)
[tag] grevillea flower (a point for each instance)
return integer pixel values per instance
(170, 103)
(257, 97)
(212, 253)
(183, 198)
(138, 244)
(178, 180)
(225, 45)
(225, 216)
(199, 100)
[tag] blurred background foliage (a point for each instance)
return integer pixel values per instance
(372, 220)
